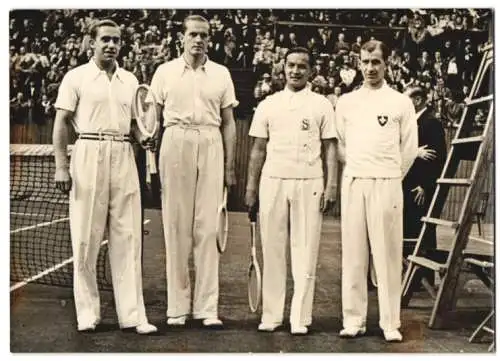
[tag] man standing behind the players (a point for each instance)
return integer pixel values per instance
(196, 160)
(378, 134)
(290, 128)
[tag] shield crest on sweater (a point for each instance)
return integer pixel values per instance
(382, 119)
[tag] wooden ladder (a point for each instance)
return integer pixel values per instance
(467, 145)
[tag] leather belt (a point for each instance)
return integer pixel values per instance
(114, 137)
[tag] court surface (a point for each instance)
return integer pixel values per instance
(43, 318)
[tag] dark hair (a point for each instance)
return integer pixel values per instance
(372, 45)
(300, 50)
(417, 92)
(193, 18)
(99, 24)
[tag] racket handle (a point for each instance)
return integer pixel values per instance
(252, 213)
(147, 164)
(152, 162)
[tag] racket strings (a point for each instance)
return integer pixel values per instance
(253, 289)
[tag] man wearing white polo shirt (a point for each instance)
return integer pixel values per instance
(378, 134)
(97, 99)
(289, 128)
(196, 160)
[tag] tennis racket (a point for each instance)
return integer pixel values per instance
(222, 224)
(254, 274)
(144, 107)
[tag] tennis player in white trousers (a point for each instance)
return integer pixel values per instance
(102, 180)
(289, 128)
(196, 160)
(378, 134)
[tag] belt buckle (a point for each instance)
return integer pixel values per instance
(119, 138)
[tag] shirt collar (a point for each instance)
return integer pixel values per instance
(300, 93)
(382, 88)
(185, 65)
(96, 71)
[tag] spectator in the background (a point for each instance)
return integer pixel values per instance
(262, 60)
(230, 58)
(394, 58)
(268, 41)
(325, 45)
(48, 109)
(241, 18)
(292, 41)
(356, 47)
(317, 70)
(19, 109)
(279, 82)
(469, 63)
(258, 36)
(278, 65)
(452, 77)
(32, 91)
(330, 85)
(59, 33)
(331, 70)
(420, 181)
(447, 51)
(480, 117)
(341, 46)
(347, 76)
(438, 66)
(418, 32)
(453, 108)
(281, 41)
(141, 73)
(263, 88)
(424, 62)
(334, 97)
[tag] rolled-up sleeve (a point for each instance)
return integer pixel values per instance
(260, 122)
(67, 96)
(229, 95)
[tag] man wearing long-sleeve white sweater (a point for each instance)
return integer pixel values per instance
(378, 138)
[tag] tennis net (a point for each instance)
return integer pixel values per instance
(40, 240)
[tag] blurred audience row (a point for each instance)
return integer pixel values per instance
(437, 49)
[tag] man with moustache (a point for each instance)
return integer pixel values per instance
(102, 179)
(286, 170)
(196, 161)
(378, 134)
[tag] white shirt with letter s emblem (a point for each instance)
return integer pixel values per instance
(295, 123)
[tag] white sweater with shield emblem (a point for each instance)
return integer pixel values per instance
(377, 129)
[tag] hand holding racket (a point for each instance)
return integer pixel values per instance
(254, 274)
(144, 107)
(222, 226)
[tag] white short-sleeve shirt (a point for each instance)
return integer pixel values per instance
(295, 123)
(99, 104)
(193, 96)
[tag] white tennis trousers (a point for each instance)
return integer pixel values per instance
(289, 208)
(105, 192)
(372, 217)
(191, 165)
